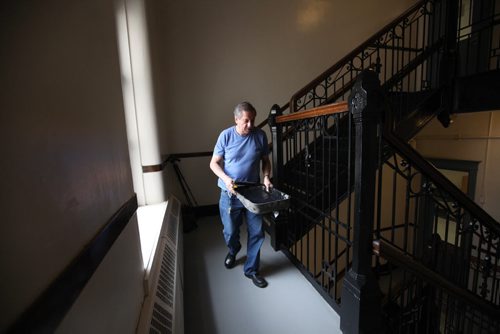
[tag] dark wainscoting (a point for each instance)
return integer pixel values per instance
(46, 313)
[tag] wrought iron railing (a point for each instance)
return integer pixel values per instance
(404, 53)
(316, 166)
(428, 219)
(317, 150)
(415, 55)
(478, 36)
(417, 211)
(430, 303)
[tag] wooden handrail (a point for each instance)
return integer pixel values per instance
(391, 253)
(328, 109)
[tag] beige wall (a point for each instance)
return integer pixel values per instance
(210, 55)
(472, 136)
(65, 166)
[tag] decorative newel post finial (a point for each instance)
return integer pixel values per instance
(367, 87)
(275, 111)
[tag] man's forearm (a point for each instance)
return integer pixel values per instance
(217, 169)
(266, 168)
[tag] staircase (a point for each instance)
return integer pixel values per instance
(430, 62)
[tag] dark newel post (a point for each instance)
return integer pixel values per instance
(277, 230)
(277, 144)
(361, 296)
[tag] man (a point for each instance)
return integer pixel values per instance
(237, 156)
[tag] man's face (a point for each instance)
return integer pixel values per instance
(245, 123)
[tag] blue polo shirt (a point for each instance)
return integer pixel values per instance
(241, 154)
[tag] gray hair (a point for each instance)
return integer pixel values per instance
(244, 106)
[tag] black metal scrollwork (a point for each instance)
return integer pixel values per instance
(387, 48)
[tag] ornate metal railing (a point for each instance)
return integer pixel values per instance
(428, 219)
(409, 53)
(478, 36)
(429, 303)
(317, 147)
(400, 199)
(316, 166)
(402, 54)
(417, 210)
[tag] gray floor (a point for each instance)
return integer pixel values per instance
(222, 301)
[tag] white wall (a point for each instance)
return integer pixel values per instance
(140, 112)
(471, 136)
(65, 166)
(210, 55)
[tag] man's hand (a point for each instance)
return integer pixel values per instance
(267, 183)
(216, 166)
(266, 170)
(229, 185)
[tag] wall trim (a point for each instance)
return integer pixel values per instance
(152, 168)
(49, 309)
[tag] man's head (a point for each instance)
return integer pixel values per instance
(244, 117)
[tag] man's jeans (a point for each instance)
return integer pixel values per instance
(231, 213)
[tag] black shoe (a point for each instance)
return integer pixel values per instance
(257, 280)
(230, 260)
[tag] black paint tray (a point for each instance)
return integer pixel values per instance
(257, 200)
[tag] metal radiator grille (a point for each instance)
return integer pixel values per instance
(162, 311)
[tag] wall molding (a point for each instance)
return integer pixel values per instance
(152, 168)
(49, 309)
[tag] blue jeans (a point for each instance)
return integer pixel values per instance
(231, 214)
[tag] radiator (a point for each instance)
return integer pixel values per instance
(163, 308)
